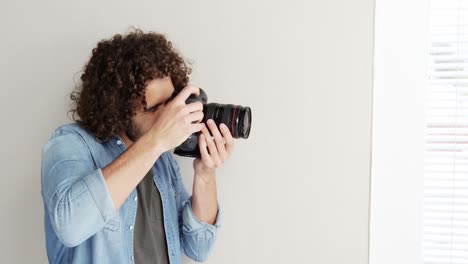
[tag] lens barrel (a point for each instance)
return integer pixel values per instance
(236, 117)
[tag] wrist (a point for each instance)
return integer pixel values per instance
(153, 142)
(206, 177)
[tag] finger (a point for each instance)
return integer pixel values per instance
(227, 137)
(195, 117)
(196, 127)
(194, 107)
(211, 146)
(218, 139)
(186, 92)
(204, 151)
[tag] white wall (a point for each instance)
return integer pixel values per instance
(297, 191)
(400, 81)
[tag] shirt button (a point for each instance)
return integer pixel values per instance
(136, 198)
(131, 227)
(132, 257)
(119, 142)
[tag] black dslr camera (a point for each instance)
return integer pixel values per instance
(237, 118)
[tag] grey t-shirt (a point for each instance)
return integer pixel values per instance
(149, 240)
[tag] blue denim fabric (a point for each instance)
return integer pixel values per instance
(81, 223)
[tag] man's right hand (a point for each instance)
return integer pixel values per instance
(176, 121)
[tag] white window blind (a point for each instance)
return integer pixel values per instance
(445, 210)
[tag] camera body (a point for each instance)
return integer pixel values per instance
(236, 117)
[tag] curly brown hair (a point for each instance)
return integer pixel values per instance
(116, 76)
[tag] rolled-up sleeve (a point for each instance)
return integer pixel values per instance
(197, 237)
(73, 189)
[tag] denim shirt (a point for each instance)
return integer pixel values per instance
(81, 222)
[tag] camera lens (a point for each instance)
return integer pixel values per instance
(246, 118)
(236, 117)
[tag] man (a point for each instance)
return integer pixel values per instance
(111, 190)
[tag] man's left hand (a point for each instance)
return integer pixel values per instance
(213, 151)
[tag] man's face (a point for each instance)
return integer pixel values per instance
(158, 92)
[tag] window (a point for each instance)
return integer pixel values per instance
(445, 210)
(419, 192)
